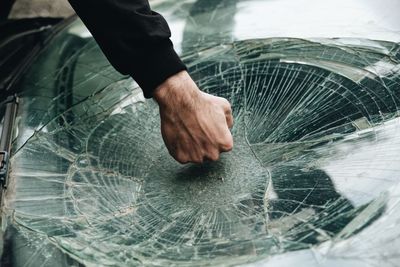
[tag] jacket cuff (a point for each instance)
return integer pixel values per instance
(157, 65)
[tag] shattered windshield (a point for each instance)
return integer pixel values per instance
(313, 178)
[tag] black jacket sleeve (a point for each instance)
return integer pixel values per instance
(135, 39)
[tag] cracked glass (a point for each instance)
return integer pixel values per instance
(313, 179)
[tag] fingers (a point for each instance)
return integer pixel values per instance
(206, 150)
(229, 120)
(228, 112)
(181, 158)
(212, 155)
(197, 130)
(227, 143)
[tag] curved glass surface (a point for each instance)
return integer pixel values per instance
(313, 179)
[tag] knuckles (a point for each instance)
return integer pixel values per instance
(180, 157)
(227, 144)
(182, 160)
(227, 105)
(213, 156)
(195, 146)
(224, 103)
(198, 161)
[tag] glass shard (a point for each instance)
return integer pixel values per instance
(313, 178)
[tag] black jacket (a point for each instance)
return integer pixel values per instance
(135, 39)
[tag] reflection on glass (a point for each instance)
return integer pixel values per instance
(315, 163)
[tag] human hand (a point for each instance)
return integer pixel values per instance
(194, 125)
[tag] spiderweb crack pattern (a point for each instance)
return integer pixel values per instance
(310, 115)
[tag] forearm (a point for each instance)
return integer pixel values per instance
(194, 125)
(135, 39)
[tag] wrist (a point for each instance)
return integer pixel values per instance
(177, 89)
